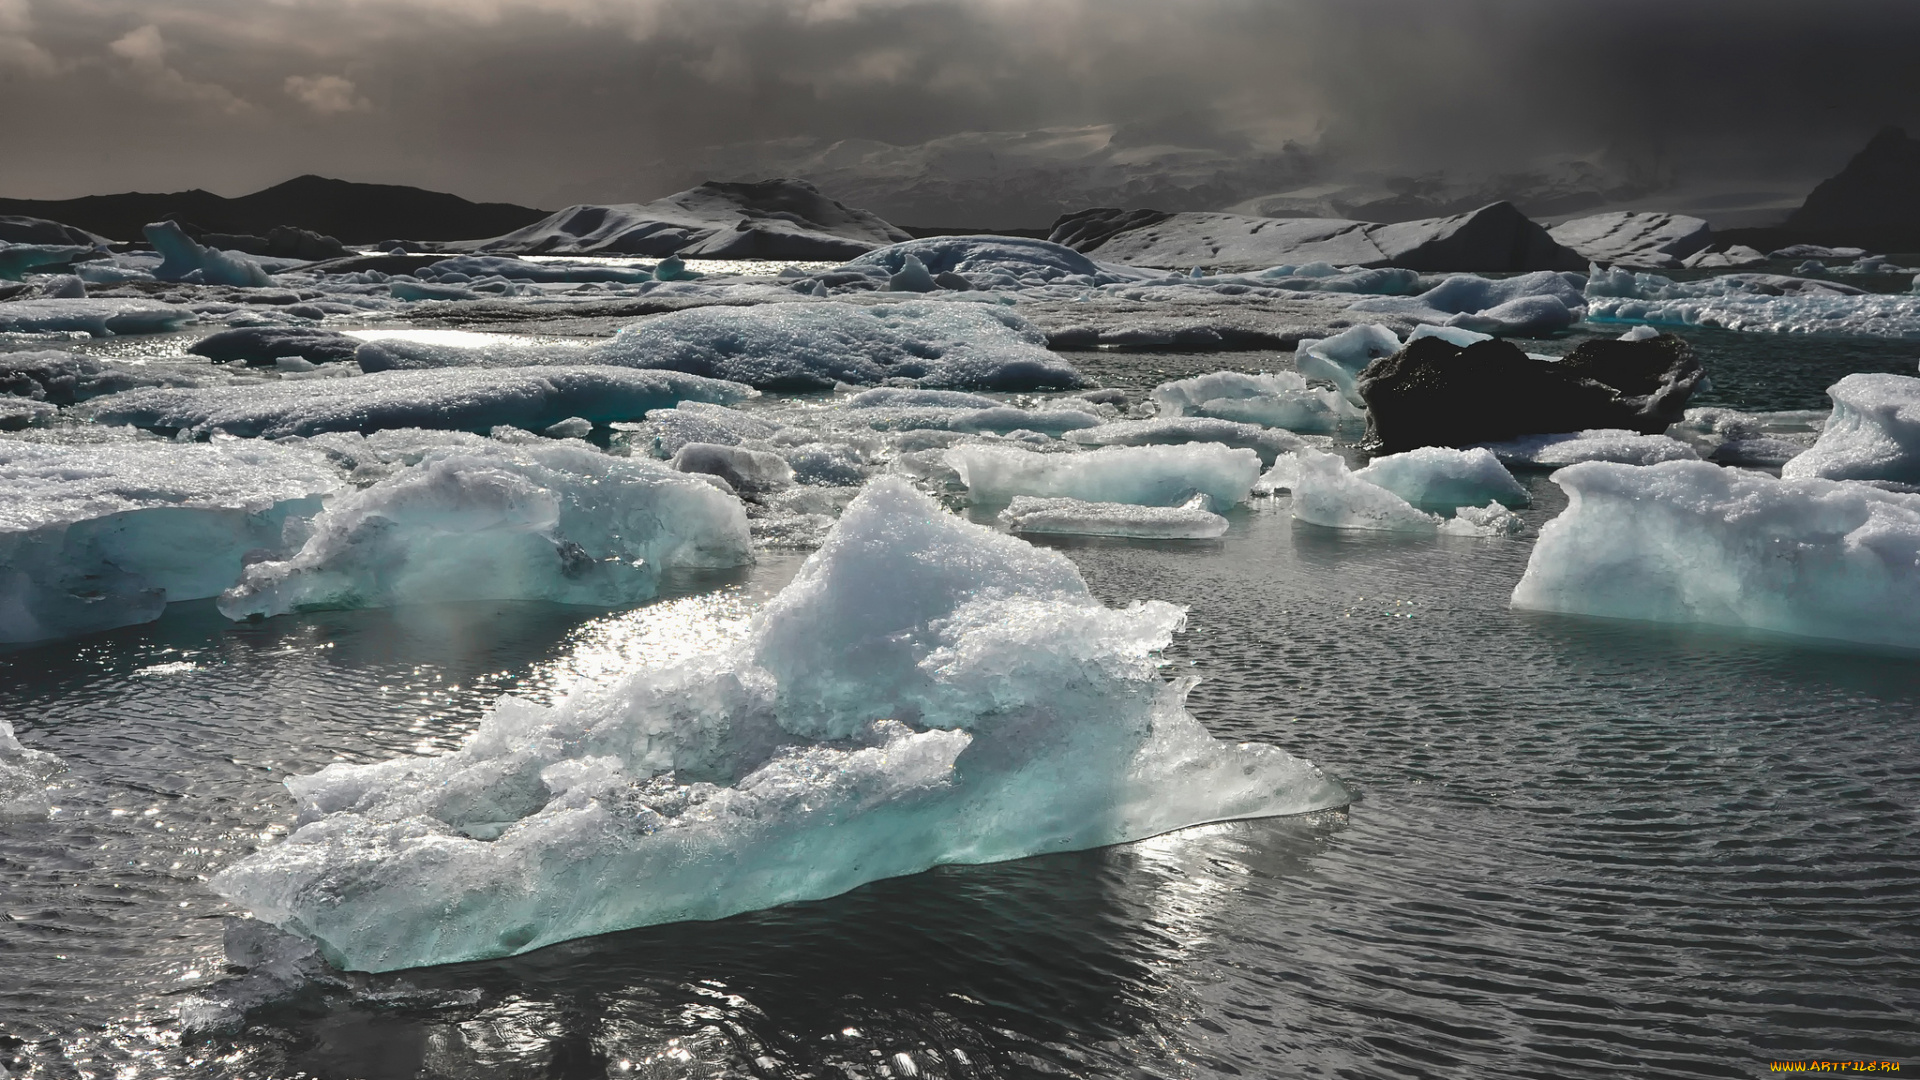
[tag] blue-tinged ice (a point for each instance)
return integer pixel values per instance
(1341, 358)
(1693, 542)
(1192, 520)
(1141, 475)
(1269, 443)
(1525, 305)
(925, 691)
(1326, 493)
(104, 534)
(484, 520)
(460, 399)
(1280, 399)
(1873, 434)
(1595, 444)
(1439, 478)
(184, 259)
(1759, 303)
(23, 778)
(17, 260)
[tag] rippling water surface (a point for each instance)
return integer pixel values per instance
(1580, 848)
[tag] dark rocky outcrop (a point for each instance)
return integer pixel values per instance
(1874, 202)
(262, 345)
(16, 229)
(1435, 393)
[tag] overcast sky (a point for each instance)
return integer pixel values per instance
(550, 101)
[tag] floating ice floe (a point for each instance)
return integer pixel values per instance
(814, 345)
(925, 691)
(483, 520)
(1441, 478)
(1325, 493)
(750, 472)
(1193, 520)
(1529, 305)
(184, 259)
(17, 260)
(1761, 303)
(1594, 444)
(1765, 439)
(1873, 434)
(1692, 542)
(1341, 358)
(1269, 443)
(1279, 399)
(63, 378)
(23, 778)
(1483, 521)
(465, 399)
(991, 262)
(100, 317)
(104, 535)
(667, 430)
(1140, 475)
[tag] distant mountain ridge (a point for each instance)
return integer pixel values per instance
(1874, 202)
(352, 212)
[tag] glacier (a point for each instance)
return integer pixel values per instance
(1873, 433)
(485, 520)
(1141, 475)
(1694, 542)
(925, 691)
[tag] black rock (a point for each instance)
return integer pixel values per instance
(1435, 393)
(262, 345)
(1873, 202)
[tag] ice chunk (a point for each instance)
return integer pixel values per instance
(1325, 493)
(399, 354)
(989, 262)
(1731, 437)
(17, 260)
(465, 399)
(534, 521)
(1281, 399)
(1440, 478)
(573, 427)
(183, 257)
(814, 345)
(1873, 434)
(750, 472)
(23, 778)
(98, 536)
(1528, 316)
(99, 317)
(912, 277)
(1141, 475)
(1177, 430)
(700, 422)
(1341, 358)
(1593, 444)
(1688, 541)
(901, 397)
(18, 414)
(1489, 520)
(1758, 303)
(925, 691)
(1194, 520)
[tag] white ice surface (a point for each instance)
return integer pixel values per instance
(1279, 399)
(1140, 475)
(1194, 520)
(1341, 358)
(1437, 478)
(1594, 444)
(1689, 541)
(925, 691)
(23, 778)
(1483, 521)
(103, 535)
(1873, 434)
(1325, 493)
(1635, 238)
(1269, 443)
(485, 520)
(1760, 303)
(461, 399)
(101, 317)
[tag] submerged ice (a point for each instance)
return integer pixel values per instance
(925, 691)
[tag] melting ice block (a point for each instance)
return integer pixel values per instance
(1441, 478)
(1140, 475)
(1178, 430)
(1341, 358)
(1194, 520)
(459, 399)
(101, 318)
(496, 521)
(1873, 434)
(1281, 399)
(23, 778)
(98, 536)
(1692, 542)
(1594, 444)
(1325, 493)
(926, 691)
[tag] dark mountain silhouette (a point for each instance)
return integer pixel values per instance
(1873, 203)
(354, 213)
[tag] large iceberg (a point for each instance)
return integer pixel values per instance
(496, 521)
(814, 345)
(925, 691)
(1873, 434)
(466, 399)
(1142, 475)
(104, 535)
(1689, 541)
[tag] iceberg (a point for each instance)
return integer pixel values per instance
(1281, 399)
(19, 414)
(1873, 434)
(494, 521)
(465, 399)
(1178, 430)
(18, 260)
(104, 535)
(1732, 437)
(23, 778)
(1194, 520)
(1754, 303)
(1693, 542)
(1140, 475)
(1532, 304)
(749, 472)
(813, 345)
(101, 317)
(1594, 444)
(990, 262)
(1635, 238)
(1341, 358)
(1441, 478)
(184, 259)
(925, 691)
(1483, 521)
(1325, 493)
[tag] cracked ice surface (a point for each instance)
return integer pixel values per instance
(926, 691)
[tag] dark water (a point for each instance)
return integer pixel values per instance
(1580, 848)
